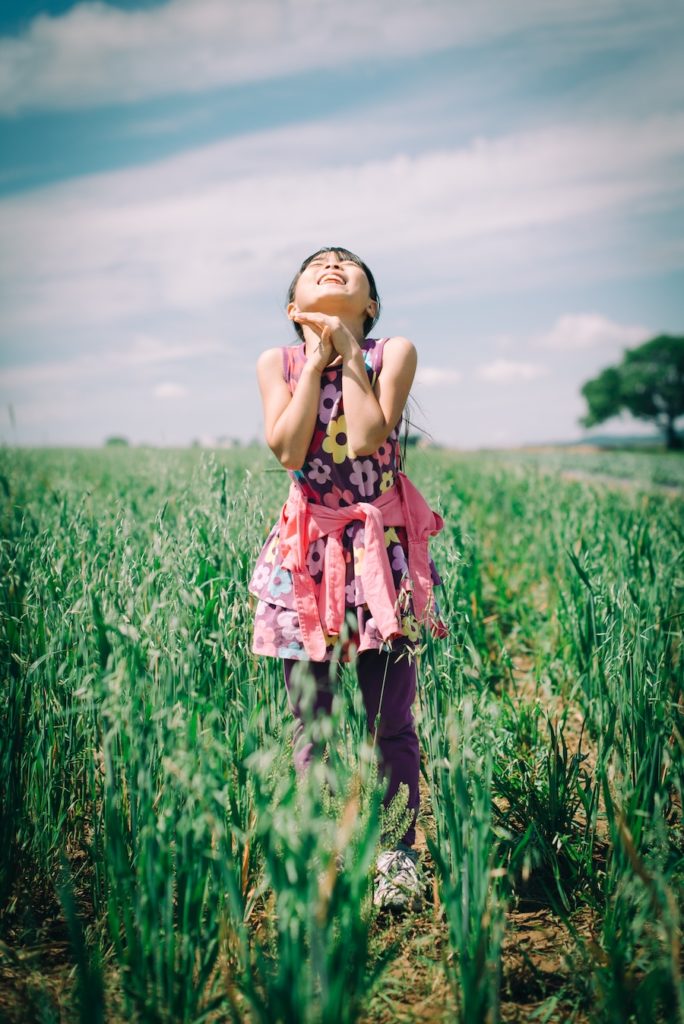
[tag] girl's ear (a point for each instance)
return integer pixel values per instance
(291, 307)
(372, 308)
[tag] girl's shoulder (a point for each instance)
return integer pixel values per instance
(293, 358)
(397, 348)
(397, 343)
(286, 358)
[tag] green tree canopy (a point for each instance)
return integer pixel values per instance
(648, 383)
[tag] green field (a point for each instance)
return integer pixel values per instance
(159, 861)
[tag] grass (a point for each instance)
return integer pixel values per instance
(160, 862)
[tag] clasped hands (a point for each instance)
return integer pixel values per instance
(336, 340)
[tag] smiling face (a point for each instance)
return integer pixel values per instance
(332, 284)
(337, 282)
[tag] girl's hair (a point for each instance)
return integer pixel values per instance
(344, 254)
(410, 430)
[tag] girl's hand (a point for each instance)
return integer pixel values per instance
(335, 337)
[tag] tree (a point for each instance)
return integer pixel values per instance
(649, 383)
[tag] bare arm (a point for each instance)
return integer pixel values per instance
(289, 419)
(371, 413)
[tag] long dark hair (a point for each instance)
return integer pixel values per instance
(343, 254)
(410, 428)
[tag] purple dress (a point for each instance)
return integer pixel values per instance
(331, 477)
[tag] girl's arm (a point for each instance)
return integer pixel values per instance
(371, 413)
(289, 419)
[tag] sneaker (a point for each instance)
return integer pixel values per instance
(397, 883)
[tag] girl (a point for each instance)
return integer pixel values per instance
(350, 551)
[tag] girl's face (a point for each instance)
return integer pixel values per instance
(331, 283)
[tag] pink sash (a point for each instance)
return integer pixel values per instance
(302, 522)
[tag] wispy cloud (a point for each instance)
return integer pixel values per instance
(505, 370)
(98, 54)
(191, 232)
(145, 351)
(437, 376)
(590, 330)
(169, 389)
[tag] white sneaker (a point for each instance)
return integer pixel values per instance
(397, 883)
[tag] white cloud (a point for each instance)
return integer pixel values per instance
(504, 370)
(97, 54)
(145, 351)
(435, 376)
(590, 330)
(232, 220)
(169, 389)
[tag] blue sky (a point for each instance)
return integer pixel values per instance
(513, 173)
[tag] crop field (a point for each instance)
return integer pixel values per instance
(161, 863)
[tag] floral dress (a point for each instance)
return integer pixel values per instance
(331, 477)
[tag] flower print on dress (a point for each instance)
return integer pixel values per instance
(260, 577)
(280, 582)
(307, 489)
(317, 440)
(264, 636)
(288, 624)
(386, 482)
(359, 556)
(404, 596)
(294, 651)
(319, 472)
(363, 476)
(391, 536)
(337, 497)
(410, 627)
(328, 401)
(399, 559)
(371, 631)
(270, 552)
(353, 592)
(384, 454)
(336, 441)
(315, 556)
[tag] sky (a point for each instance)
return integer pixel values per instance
(513, 173)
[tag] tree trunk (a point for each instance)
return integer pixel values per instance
(673, 441)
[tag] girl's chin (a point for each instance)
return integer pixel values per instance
(334, 300)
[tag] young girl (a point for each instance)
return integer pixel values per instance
(346, 570)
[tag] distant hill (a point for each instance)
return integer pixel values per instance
(608, 441)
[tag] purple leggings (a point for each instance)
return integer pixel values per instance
(396, 734)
